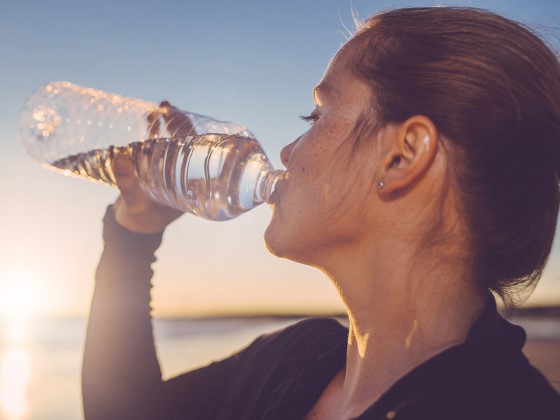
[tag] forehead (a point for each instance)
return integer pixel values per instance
(339, 81)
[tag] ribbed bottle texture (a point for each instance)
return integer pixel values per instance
(214, 169)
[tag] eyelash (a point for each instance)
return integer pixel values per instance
(311, 118)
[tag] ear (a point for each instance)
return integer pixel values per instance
(412, 148)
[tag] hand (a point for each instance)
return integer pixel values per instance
(134, 209)
(174, 121)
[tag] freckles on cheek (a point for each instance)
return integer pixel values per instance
(327, 192)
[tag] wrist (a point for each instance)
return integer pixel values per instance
(143, 222)
(121, 239)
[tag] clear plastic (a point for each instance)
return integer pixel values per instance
(214, 169)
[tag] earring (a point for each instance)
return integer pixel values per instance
(380, 184)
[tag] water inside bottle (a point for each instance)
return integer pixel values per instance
(214, 176)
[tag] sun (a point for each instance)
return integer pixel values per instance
(22, 293)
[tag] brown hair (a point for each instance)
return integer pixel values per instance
(492, 88)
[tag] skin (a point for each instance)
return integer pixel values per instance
(406, 300)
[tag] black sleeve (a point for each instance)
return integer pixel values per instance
(121, 377)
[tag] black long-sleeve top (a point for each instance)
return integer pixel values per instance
(282, 374)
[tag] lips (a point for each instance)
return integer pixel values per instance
(280, 185)
(275, 196)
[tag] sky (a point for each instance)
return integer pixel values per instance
(253, 62)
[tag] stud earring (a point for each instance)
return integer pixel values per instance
(380, 185)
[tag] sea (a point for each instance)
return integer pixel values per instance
(40, 360)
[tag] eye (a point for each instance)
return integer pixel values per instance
(311, 118)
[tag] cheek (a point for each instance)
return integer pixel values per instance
(318, 214)
(318, 152)
(323, 172)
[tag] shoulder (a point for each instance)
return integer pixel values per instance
(482, 382)
(314, 327)
(274, 359)
(497, 378)
(510, 389)
(288, 346)
(299, 336)
(528, 394)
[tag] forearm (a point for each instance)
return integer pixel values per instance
(121, 375)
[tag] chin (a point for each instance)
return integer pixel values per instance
(281, 245)
(272, 242)
(286, 240)
(278, 242)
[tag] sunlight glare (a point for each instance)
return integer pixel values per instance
(15, 374)
(15, 331)
(21, 293)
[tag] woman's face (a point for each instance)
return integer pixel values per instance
(320, 205)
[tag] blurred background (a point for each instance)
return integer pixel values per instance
(253, 62)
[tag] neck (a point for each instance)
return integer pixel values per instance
(398, 320)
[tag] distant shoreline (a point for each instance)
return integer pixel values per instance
(537, 311)
(529, 311)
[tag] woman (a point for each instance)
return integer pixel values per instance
(429, 177)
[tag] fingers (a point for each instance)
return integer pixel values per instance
(136, 199)
(134, 209)
(168, 121)
(177, 123)
(127, 181)
(154, 124)
(157, 118)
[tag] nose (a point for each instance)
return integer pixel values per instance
(287, 151)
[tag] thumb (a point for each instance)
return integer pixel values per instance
(128, 182)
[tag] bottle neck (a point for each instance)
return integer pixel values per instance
(269, 183)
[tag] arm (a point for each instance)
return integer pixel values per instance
(120, 368)
(121, 375)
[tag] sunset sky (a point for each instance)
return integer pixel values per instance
(254, 62)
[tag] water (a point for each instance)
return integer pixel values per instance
(215, 176)
(40, 360)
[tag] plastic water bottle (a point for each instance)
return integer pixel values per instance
(194, 163)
